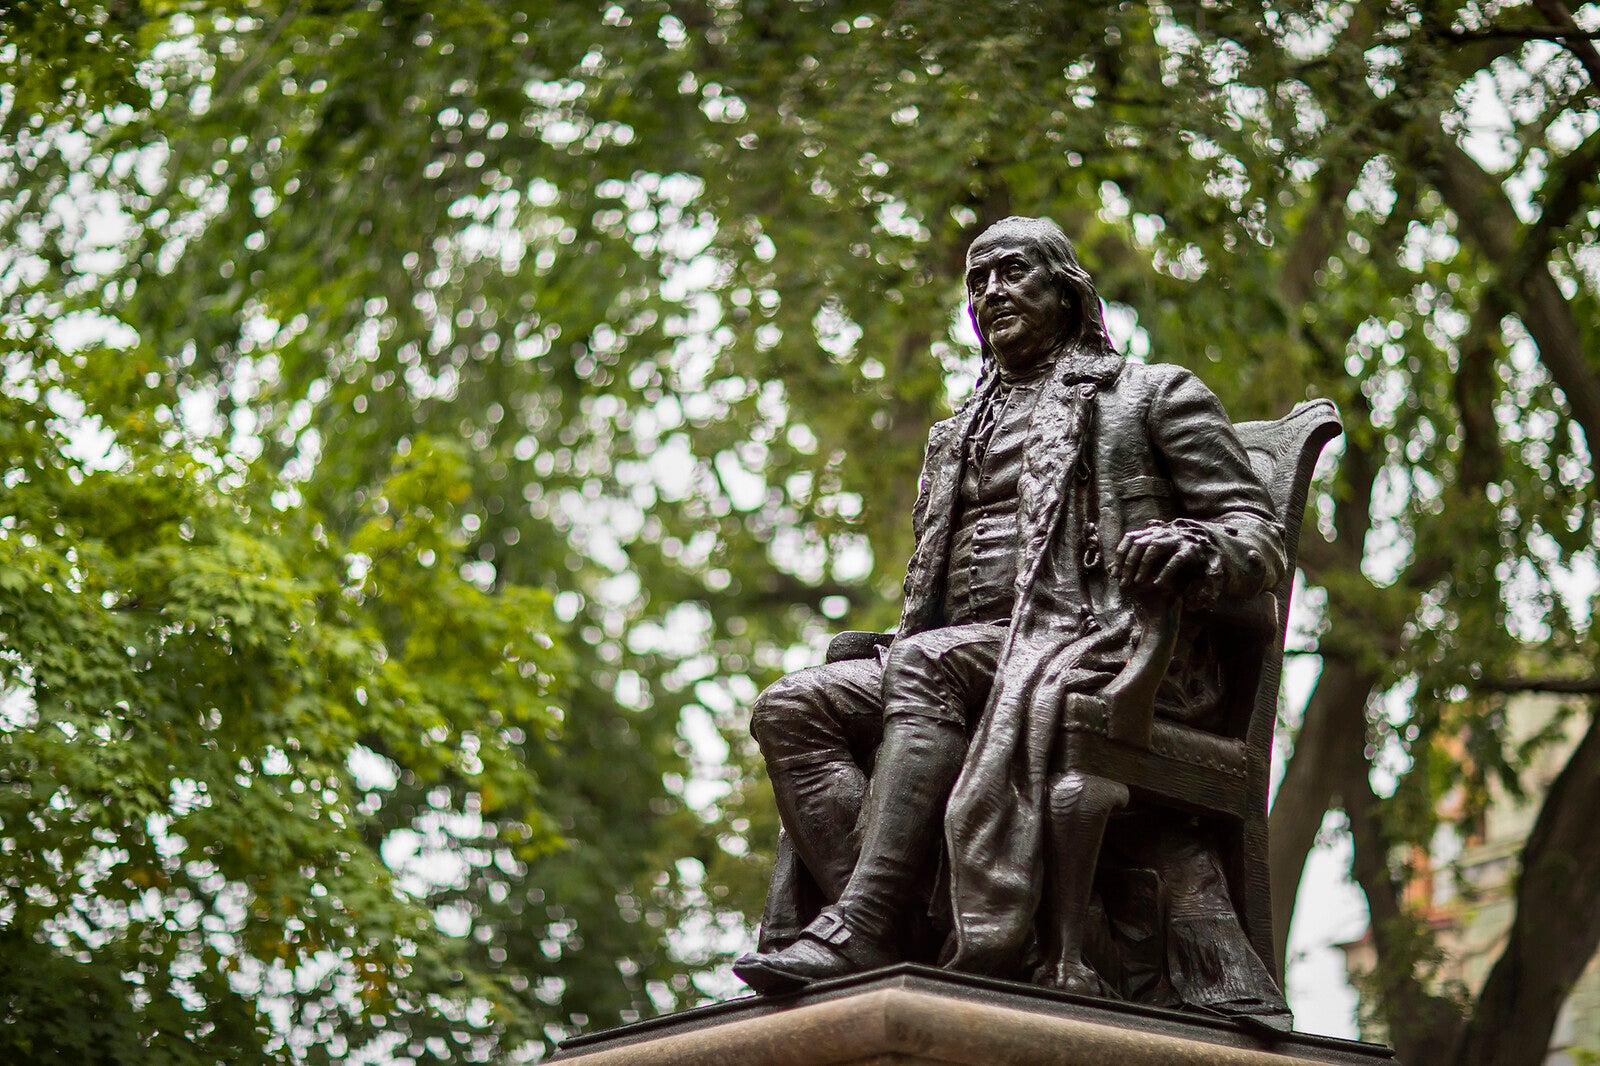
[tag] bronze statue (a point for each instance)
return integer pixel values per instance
(946, 791)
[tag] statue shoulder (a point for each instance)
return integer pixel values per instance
(942, 430)
(1149, 376)
(1165, 385)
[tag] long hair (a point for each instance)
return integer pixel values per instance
(1090, 336)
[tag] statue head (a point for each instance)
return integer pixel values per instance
(1030, 299)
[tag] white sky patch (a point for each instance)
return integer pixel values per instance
(1329, 910)
(672, 467)
(746, 488)
(836, 334)
(1374, 191)
(852, 559)
(1127, 336)
(707, 784)
(695, 276)
(88, 441)
(1579, 587)
(896, 219)
(683, 631)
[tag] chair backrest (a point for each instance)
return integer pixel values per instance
(1284, 454)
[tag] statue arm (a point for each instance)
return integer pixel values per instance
(1224, 508)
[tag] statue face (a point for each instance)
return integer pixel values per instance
(1018, 306)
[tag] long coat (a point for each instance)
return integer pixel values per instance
(1112, 446)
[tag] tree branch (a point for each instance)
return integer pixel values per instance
(1297, 284)
(1317, 557)
(1578, 40)
(1422, 1026)
(1521, 33)
(1476, 389)
(1486, 216)
(1334, 722)
(1563, 196)
(1573, 686)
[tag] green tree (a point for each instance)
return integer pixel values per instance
(201, 706)
(261, 764)
(680, 277)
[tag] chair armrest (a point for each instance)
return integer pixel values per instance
(1130, 697)
(855, 644)
(1257, 615)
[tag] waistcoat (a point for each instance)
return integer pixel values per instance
(980, 583)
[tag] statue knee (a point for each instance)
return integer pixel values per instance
(919, 680)
(908, 659)
(777, 703)
(787, 714)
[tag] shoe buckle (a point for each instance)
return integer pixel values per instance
(830, 929)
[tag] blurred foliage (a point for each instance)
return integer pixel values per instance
(436, 329)
(203, 701)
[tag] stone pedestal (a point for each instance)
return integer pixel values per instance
(919, 1016)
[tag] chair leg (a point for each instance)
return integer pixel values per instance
(1080, 806)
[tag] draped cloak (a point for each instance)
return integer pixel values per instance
(1112, 446)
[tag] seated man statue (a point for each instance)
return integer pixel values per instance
(911, 783)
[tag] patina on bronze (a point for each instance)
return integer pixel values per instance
(1050, 771)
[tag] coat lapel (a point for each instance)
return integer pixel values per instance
(941, 471)
(1057, 433)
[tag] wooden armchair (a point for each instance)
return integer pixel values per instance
(1114, 748)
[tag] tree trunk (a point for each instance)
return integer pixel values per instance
(1556, 930)
(1488, 219)
(1422, 1026)
(1335, 722)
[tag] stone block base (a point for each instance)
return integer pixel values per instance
(918, 1016)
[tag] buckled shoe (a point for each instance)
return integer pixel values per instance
(826, 948)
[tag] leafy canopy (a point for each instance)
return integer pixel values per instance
(650, 303)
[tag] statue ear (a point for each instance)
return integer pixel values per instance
(1072, 308)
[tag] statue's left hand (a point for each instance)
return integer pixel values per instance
(1158, 557)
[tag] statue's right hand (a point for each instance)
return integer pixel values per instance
(1158, 556)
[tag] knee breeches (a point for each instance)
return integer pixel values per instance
(828, 712)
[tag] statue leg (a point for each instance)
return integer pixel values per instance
(931, 683)
(1080, 806)
(815, 729)
(917, 765)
